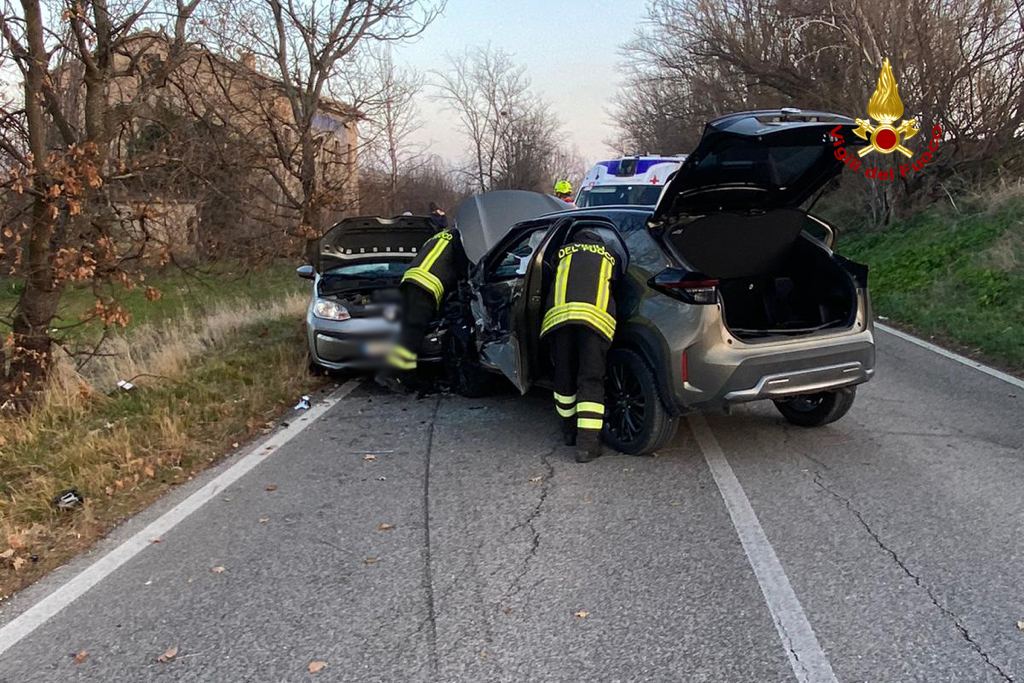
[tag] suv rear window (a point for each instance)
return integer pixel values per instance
(768, 166)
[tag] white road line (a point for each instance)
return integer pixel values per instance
(41, 612)
(809, 663)
(963, 360)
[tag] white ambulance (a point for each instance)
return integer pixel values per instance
(629, 180)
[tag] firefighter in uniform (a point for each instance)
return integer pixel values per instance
(580, 323)
(434, 273)
(563, 190)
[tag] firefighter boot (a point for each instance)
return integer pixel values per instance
(588, 445)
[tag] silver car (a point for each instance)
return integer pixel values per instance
(353, 315)
(732, 293)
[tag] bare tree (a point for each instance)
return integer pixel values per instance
(959, 64)
(512, 133)
(58, 146)
(390, 119)
(303, 44)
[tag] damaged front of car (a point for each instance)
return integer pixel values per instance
(354, 311)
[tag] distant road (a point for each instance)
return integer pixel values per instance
(886, 547)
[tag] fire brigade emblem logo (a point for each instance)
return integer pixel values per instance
(885, 107)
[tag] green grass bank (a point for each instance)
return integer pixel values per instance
(955, 275)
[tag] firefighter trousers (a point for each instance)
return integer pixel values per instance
(578, 356)
(418, 309)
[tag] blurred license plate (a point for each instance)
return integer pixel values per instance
(377, 348)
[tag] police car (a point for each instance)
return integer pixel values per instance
(629, 180)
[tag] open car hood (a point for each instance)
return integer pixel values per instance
(368, 238)
(484, 219)
(757, 160)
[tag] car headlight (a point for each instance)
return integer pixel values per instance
(330, 310)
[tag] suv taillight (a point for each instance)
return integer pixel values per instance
(693, 288)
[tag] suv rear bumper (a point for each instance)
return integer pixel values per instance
(809, 381)
(722, 376)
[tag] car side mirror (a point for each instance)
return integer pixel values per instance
(305, 272)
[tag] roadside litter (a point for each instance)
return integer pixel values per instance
(125, 385)
(303, 403)
(68, 499)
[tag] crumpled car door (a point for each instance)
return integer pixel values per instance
(508, 310)
(499, 288)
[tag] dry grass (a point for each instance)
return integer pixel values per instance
(203, 383)
(999, 195)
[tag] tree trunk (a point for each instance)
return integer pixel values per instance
(30, 352)
(310, 214)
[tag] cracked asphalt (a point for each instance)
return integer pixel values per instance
(900, 529)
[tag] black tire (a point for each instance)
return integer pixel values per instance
(636, 421)
(817, 410)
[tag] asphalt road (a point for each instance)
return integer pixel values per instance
(899, 530)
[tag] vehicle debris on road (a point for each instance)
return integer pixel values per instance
(68, 499)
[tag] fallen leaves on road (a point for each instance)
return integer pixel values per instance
(316, 666)
(536, 480)
(264, 520)
(18, 563)
(168, 655)
(582, 614)
(369, 457)
(270, 487)
(370, 560)
(80, 656)
(1020, 625)
(217, 570)
(384, 526)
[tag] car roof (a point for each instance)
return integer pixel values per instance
(600, 211)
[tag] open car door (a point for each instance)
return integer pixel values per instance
(511, 288)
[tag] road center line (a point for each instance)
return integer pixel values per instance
(809, 663)
(963, 360)
(42, 611)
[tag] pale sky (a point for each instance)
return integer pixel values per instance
(570, 49)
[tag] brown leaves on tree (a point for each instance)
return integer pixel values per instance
(109, 314)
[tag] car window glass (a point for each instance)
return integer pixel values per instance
(745, 162)
(369, 270)
(611, 195)
(643, 250)
(517, 256)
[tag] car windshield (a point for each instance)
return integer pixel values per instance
(369, 271)
(610, 195)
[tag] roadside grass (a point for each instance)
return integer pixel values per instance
(209, 383)
(955, 276)
(191, 290)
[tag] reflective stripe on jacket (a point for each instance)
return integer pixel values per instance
(582, 290)
(436, 267)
